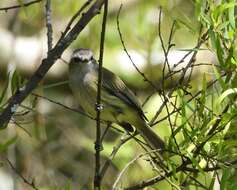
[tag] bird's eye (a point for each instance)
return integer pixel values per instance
(76, 59)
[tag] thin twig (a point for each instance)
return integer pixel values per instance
(129, 56)
(70, 109)
(180, 168)
(127, 138)
(128, 165)
(155, 179)
(87, 3)
(19, 6)
(181, 79)
(49, 24)
(116, 148)
(25, 130)
(98, 106)
(158, 89)
(213, 131)
(166, 52)
(169, 75)
(210, 84)
(26, 181)
(109, 125)
(62, 105)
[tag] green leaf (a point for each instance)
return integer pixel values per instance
(224, 179)
(216, 43)
(203, 95)
(233, 61)
(231, 16)
(187, 23)
(211, 123)
(55, 84)
(219, 78)
(233, 186)
(5, 145)
(219, 51)
(228, 61)
(198, 8)
(213, 179)
(68, 186)
(196, 164)
(4, 89)
(226, 93)
(206, 20)
(21, 2)
(15, 82)
(212, 38)
(218, 11)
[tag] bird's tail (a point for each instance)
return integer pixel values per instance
(151, 137)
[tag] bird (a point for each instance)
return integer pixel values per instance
(119, 104)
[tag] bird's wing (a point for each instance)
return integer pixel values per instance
(116, 87)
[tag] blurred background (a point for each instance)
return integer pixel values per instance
(54, 146)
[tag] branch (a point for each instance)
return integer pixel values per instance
(210, 84)
(157, 88)
(87, 3)
(156, 179)
(26, 181)
(129, 164)
(47, 63)
(127, 138)
(116, 148)
(49, 24)
(129, 56)
(183, 166)
(64, 106)
(78, 110)
(19, 6)
(99, 106)
(166, 62)
(180, 81)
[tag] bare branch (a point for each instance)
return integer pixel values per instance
(62, 105)
(26, 181)
(49, 24)
(98, 106)
(47, 63)
(116, 148)
(87, 3)
(19, 6)
(130, 163)
(129, 56)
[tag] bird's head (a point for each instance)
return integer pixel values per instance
(81, 56)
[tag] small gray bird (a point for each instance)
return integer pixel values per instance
(119, 103)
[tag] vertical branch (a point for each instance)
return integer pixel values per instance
(49, 24)
(166, 62)
(99, 106)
